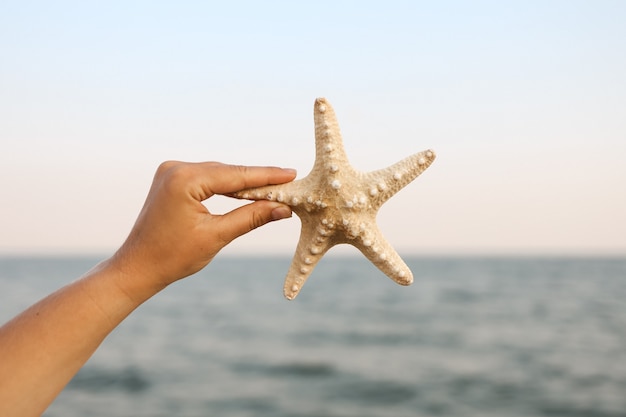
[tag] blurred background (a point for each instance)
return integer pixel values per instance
(524, 104)
(516, 234)
(473, 336)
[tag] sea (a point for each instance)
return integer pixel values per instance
(473, 336)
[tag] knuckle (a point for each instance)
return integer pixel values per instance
(257, 220)
(166, 166)
(180, 174)
(241, 170)
(173, 176)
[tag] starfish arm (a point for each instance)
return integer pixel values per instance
(379, 251)
(311, 248)
(329, 150)
(287, 193)
(386, 182)
(338, 204)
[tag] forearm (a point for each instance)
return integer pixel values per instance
(43, 347)
(174, 236)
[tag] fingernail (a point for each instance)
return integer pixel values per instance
(281, 212)
(290, 170)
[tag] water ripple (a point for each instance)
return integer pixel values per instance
(128, 379)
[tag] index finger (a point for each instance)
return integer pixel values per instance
(224, 179)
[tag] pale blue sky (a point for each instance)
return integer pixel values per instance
(524, 103)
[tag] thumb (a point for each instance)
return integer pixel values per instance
(247, 218)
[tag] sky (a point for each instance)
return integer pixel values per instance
(523, 102)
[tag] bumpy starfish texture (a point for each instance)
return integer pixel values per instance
(338, 204)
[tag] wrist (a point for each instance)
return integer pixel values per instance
(133, 279)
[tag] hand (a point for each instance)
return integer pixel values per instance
(175, 235)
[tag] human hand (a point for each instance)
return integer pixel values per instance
(175, 235)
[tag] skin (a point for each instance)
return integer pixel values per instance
(174, 236)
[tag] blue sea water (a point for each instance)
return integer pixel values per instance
(471, 337)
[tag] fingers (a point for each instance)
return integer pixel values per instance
(176, 181)
(218, 178)
(246, 218)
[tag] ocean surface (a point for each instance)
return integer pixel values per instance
(471, 337)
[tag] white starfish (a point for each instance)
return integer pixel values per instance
(338, 204)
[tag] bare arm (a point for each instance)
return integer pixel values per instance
(174, 236)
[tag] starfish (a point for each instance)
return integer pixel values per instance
(338, 204)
